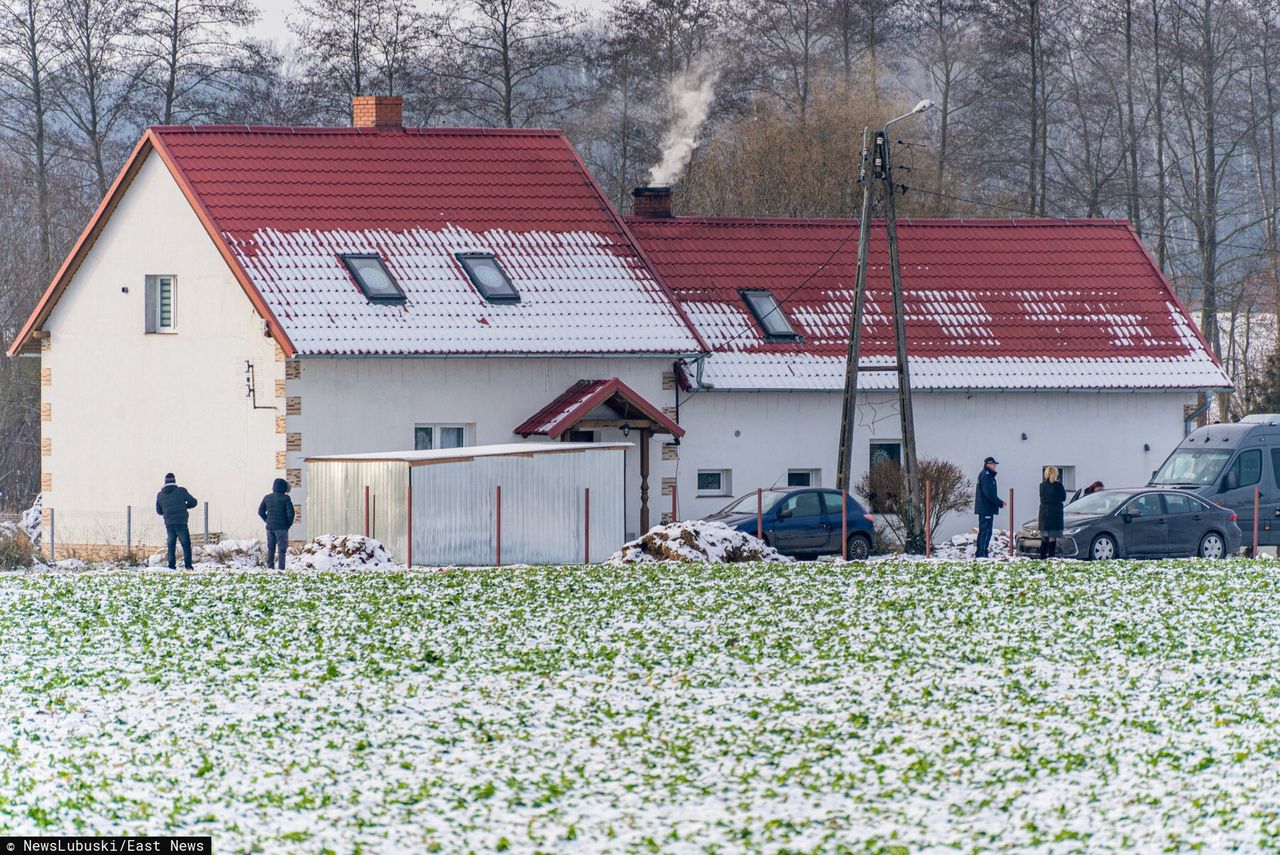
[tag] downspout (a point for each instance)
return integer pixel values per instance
(1194, 415)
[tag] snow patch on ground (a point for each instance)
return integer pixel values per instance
(342, 552)
(966, 545)
(232, 554)
(696, 540)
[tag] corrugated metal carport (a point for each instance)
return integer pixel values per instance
(528, 503)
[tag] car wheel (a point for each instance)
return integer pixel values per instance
(1212, 546)
(859, 547)
(1103, 548)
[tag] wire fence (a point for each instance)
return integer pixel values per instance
(132, 530)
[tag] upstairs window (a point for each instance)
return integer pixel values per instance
(487, 275)
(372, 277)
(769, 315)
(159, 304)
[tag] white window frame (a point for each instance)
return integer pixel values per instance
(151, 297)
(436, 427)
(1066, 475)
(726, 482)
(815, 477)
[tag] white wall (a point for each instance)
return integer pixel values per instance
(127, 407)
(372, 404)
(1100, 433)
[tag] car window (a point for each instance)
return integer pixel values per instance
(803, 505)
(1275, 464)
(1245, 470)
(1179, 503)
(1147, 505)
(747, 504)
(831, 502)
(1096, 504)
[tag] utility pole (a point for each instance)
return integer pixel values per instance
(883, 170)
(848, 408)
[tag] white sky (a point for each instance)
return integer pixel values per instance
(272, 24)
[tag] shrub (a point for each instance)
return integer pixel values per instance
(16, 550)
(884, 486)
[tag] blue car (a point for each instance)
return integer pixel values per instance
(803, 522)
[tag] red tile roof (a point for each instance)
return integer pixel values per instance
(576, 402)
(284, 203)
(990, 303)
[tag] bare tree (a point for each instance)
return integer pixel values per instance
(783, 41)
(514, 63)
(30, 56)
(195, 50)
(101, 76)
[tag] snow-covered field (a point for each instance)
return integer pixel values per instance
(890, 706)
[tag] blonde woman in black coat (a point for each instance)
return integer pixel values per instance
(1052, 497)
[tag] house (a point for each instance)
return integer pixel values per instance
(246, 297)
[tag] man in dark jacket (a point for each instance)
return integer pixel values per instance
(172, 503)
(987, 504)
(276, 511)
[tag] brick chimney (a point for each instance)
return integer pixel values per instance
(377, 111)
(651, 203)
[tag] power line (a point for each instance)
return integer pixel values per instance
(778, 303)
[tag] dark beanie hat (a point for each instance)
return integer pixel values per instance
(169, 479)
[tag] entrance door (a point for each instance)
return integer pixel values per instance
(801, 525)
(1147, 532)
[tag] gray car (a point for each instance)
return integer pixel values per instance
(1142, 522)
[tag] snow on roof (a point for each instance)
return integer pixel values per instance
(457, 455)
(991, 304)
(288, 202)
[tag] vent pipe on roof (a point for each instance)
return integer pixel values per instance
(651, 203)
(377, 111)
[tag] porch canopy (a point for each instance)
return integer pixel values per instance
(610, 403)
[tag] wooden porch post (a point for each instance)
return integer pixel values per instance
(644, 481)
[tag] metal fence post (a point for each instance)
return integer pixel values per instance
(408, 524)
(673, 501)
(928, 529)
(1011, 521)
(844, 524)
(498, 541)
(128, 530)
(366, 510)
(586, 525)
(53, 535)
(1257, 494)
(760, 513)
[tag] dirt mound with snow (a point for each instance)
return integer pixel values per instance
(696, 540)
(342, 552)
(965, 545)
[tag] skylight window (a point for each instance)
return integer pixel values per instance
(769, 315)
(372, 277)
(487, 275)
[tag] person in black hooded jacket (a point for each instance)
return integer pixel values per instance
(173, 503)
(276, 510)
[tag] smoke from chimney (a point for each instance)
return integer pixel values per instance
(689, 95)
